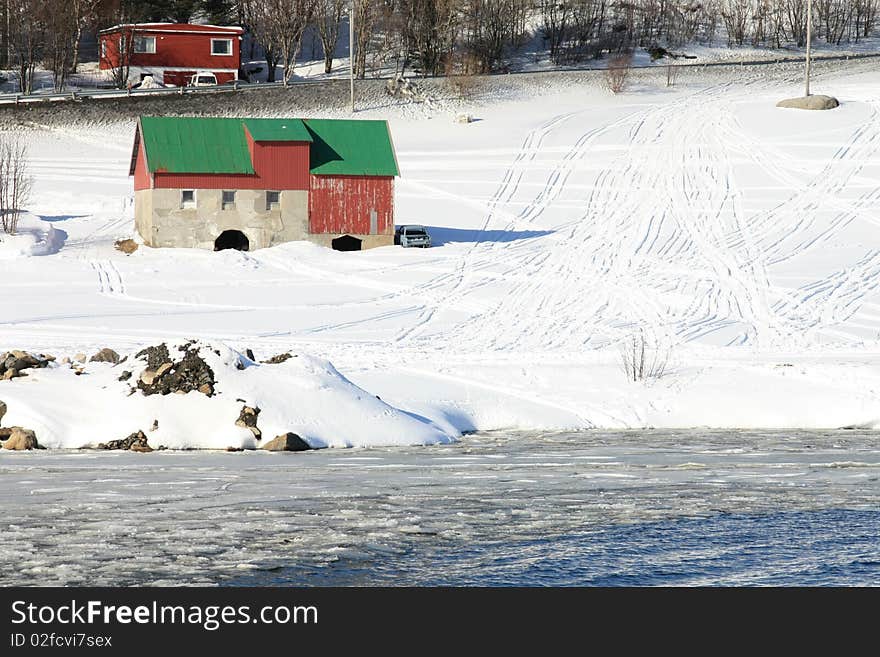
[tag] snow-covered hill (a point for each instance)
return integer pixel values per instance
(741, 240)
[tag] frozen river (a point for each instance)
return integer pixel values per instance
(590, 508)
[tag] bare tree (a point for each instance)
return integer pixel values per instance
(279, 25)
(328, 16)
(61, 30)
(15, 181)
(366, 13)
(26, 36)
(736, 15)
(86, 14)
(671, 74)
(642, 361)
(429, 32)
(619, 66)
(555, 15)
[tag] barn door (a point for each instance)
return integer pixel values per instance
(374, 222)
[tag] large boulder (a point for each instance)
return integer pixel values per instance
(106, 355)
(21, 439)
(287, 442)
(814, 102)
(126, 246)
(2, 411)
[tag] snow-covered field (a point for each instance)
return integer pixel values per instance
(741, 239)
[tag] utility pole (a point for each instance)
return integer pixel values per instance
(809, 40)
(351, 51)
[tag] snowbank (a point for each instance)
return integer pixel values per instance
(33, 237)
(303, 395)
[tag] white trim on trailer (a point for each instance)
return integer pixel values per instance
(149, 27)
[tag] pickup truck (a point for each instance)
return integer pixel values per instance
(412, 235)
(203, 79)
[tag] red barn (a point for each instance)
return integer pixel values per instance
(251, 183)
(172, 52)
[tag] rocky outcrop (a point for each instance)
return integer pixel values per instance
(19, 439)
(126, 246)
(247, 418)
(14, 363)
(164, 375)
(135, 442)
(2, 411)
(817, 102)
(287, 442)
(106, 355)
(280, 358)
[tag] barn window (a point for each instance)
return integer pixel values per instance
(187, 198)
(144, 44)
(228, 200)
(346, 243)
(273, 200)
(221, 46)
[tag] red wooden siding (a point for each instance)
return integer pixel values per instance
(279, 166)
(342, 204)
(141, 173)
(175, 50)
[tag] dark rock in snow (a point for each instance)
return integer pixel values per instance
(2, 410)
(287, 442)
(156, 356)
(248, 419)
(136, 442)
(164, 375)
(280, 358)
(125, 376)
(14, 363)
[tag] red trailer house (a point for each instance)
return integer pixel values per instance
(217, 183)
(171, 52)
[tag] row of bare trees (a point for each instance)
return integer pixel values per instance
(432, 37)
(780, 22)
(577, 29)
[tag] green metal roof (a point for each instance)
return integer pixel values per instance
(352, 148)
(195, 145)
(219, 145)
(277, 130)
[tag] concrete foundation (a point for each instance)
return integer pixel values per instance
(161, 220)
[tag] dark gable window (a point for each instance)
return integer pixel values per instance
(188, 198)
(228, 200)
(273, 200)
